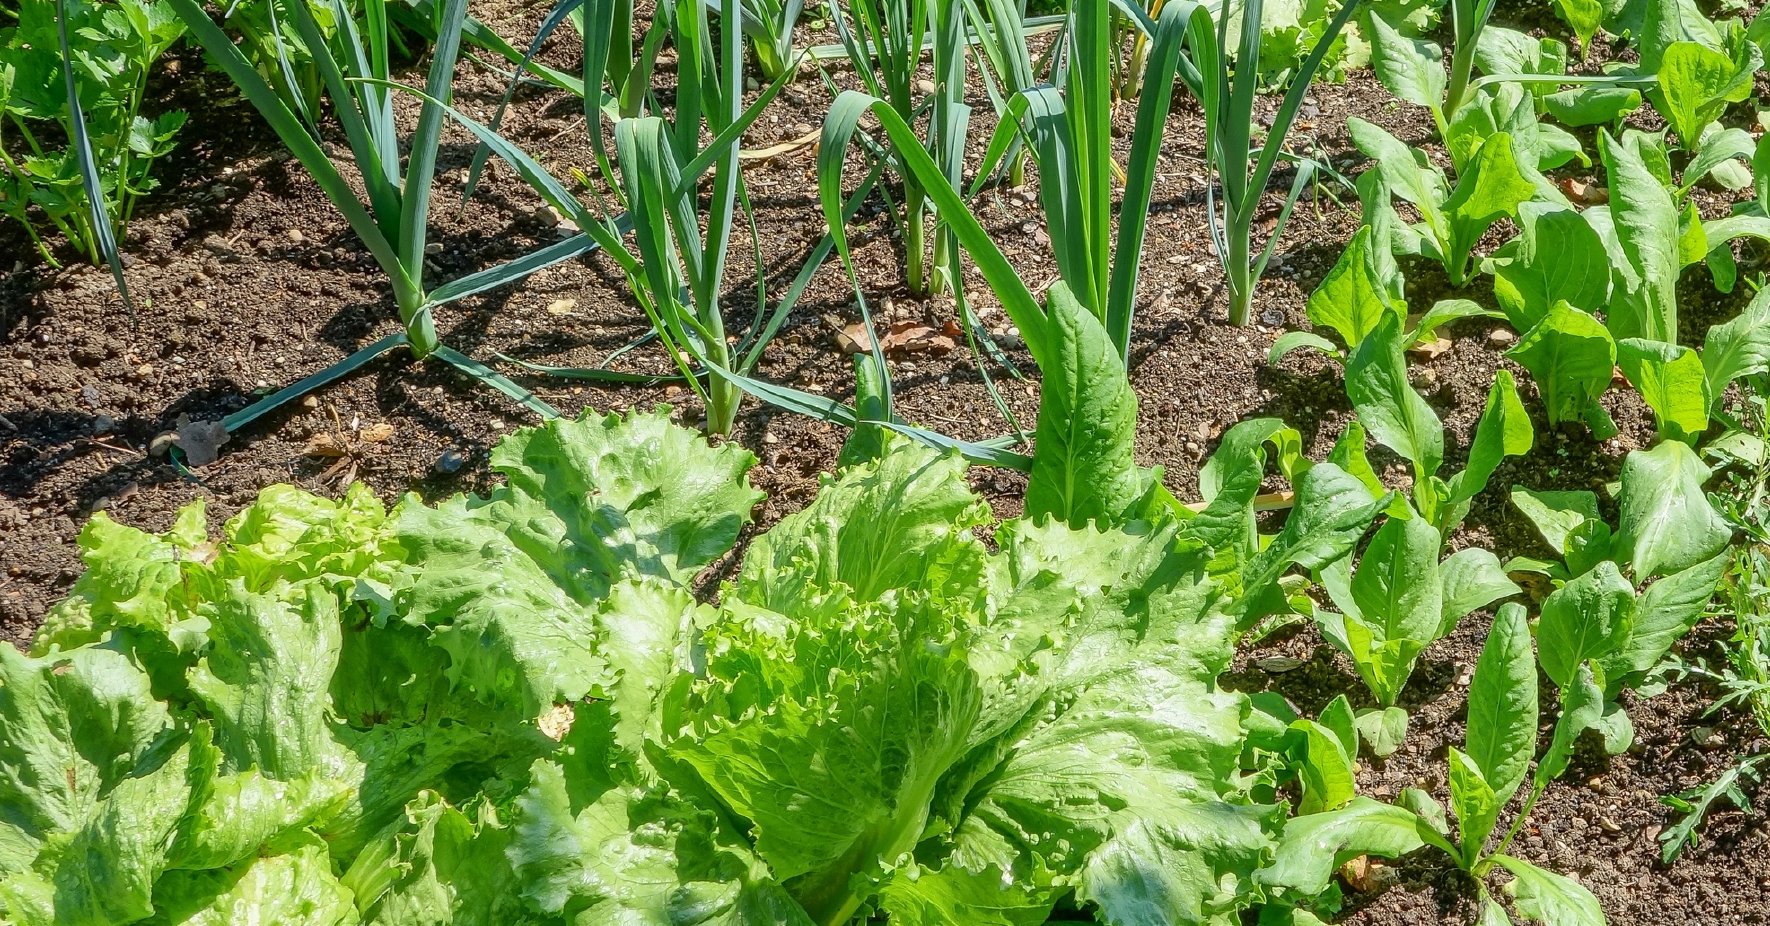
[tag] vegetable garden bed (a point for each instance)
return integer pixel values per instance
(244, 278)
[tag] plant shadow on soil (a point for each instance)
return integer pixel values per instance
(256, 281)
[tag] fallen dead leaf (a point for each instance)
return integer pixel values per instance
(324, 444)
(1585, 194)
(792, 144)
(850, 338)
(1430, 349)
(911, 337)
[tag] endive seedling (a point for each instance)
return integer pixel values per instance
(1485, 775)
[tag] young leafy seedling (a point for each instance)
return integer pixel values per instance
(1489, 187)
(1684, 388)
(1366, 286)
(1484, 776)
(1324, 752)
(1669, 539)
(109, 53)
(1571, 357)
(1649, 239)
(1697, 83)
(1399, 418)
(1399, 601)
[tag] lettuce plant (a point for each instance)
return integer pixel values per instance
(514, 708)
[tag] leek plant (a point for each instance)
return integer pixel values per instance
(769, 24)
(677, 275)
(1071, 134)
(662, 165)
(1000, 30)
(354, 68)
(894, 32)
(1228, 88)
(615, 81)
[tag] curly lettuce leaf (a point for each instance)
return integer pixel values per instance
(72, 727)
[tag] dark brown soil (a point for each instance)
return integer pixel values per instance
(255, 281)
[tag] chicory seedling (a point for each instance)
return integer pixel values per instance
(1484, 776)
(1399, 600)
(1491, 186)
(111, 51)
(1400, 419)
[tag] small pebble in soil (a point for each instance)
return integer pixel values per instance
(162, 444)
(450, 462)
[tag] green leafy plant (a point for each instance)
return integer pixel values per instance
(340, 709)
(1742, 671)
(1648, 241)
(1365, 287)
(76, 104)
(1597, 630)
(1698, 82)
(1399, 418)
(1399, 600)
(1571, 358)
(1484, 776)
(1491, 185)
